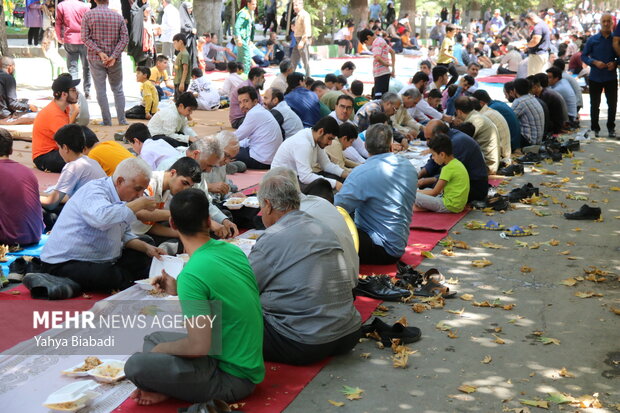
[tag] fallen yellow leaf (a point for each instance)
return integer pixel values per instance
(525, 268)
(441, 326)
(337, 404)
(467, 388)
(427, 254)
(549, 340)
(420, 308)
(498, 340)
(481, 263)
(615, 310)
(536, 403)
(569, 282)
(352, 393)
(614, 188)
(565, 373)
(495, 246)
(508, 307)
(365, 355)
(467, 297)
(462, 310)
(486, 359)
(447, 252)
(453, 334)
(587, 294)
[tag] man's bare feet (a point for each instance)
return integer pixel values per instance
(146, 398)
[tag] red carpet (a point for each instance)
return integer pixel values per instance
(247, 179)
(497, 79)
(46, 179)
(494, 182)
(281, 385)
(435, 221)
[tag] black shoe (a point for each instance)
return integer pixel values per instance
(406, 335)
(498, 203)
(526, 191)
(50, 287)
(376, 286)
(596, 133)
(529, 158)
(611, 135)
(22, 266)
(511, 170)
(572, 145)
(407, 276)
(585, 212)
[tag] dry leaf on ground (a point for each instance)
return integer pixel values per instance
(337, 404)
(487, 359)
(467, 297)
(569, 282)
(525, 268)
(587, 294)
(352, 393)
(420, 308)
(481, 263)
(461, 311)
(549, 340)
(536, 403)
(498, 340)
(453, 334)
(492, 245)
(467, 388)
(565, 373)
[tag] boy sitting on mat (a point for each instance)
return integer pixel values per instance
(452, 189)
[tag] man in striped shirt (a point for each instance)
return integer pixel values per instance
(104, 33)
(530, 113)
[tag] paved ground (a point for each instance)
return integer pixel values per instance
(586, 329)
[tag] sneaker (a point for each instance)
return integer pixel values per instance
(585, 212)
(511, 170)
(529, 158)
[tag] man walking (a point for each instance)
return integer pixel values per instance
(170, 25)
(303, 33)
(69, 14)
(244, 35)
(599, 54)
(104, 34)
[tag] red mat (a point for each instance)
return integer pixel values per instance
(494, 182)
(46, 179)
(418, 241)
(497, 79)
(281, 385)
(435, 221)
(247, 179)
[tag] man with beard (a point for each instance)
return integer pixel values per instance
(256, 79)
(55, 115)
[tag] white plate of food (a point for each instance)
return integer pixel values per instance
(72, 397)
(251, 202)
(109, 372)
(234, 203)
(145, 284)
(81, 370)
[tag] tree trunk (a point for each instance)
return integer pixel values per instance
(359, 11)
(409, 6)
(4, 45)
(208, 14)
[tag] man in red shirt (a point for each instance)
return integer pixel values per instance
(69, 14)
(51, 118)
(21, 219)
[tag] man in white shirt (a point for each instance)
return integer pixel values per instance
(304, 151)
(233, 80)
(170, 25)
(342, 114)
(153, 152)
(274, 100)
(170, 123)
(344, 36)
(509, 64)
(280, 83)
(259, 135)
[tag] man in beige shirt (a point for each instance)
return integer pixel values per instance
(303, 34)
(279, 83)
(335, 151)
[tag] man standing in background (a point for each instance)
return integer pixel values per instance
(69, 14)
(170, 25)
(303, 34)
(244, 34)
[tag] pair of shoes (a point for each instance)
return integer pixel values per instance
(22, 266)
(511, 170)
(407, 276)
(388, 333)
(611, 135)
(526, 191)
(380, 287)
(241, 167)
(498, 203)
(570, 145)
(123, 123)
(585, 212)
(50, 287)
(231, 168)
(529, 158)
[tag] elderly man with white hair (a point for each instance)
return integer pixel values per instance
(381, 192)
(92, 243)
(304, 281)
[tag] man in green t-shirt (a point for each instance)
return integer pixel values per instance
(181, 65)
(453, 181)
(179, 365)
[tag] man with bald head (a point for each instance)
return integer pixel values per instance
(467, 151)
(11, 109)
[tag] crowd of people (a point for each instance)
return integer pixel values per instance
(332, 152)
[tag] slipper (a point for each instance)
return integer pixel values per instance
(434, 275)
(498, 203)
(492, 226)
(517, 231)
(387, 333)
(430, 288)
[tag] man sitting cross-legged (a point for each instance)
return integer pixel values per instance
(92, 243)
(304, 280)
(170, 123)
(259, 135)
(381, 192)
(179, 365)
(183, 174)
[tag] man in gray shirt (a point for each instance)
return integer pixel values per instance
(304, 281)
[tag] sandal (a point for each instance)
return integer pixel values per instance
(517, 231)
(387, 333)
(492, 226)
(431, 289)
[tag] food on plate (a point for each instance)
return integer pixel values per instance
(109, 371)
(89, 364)
(69, 406)
(235, 201)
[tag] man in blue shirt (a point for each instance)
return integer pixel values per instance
(600, 54)
(539, 44)
(565, 90)
(466, 150)
(381, 192)
(511, 119)
(303, 102)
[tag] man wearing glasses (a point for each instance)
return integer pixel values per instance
(51, 118)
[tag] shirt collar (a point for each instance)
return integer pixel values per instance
(310, 137)
(110, 184)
